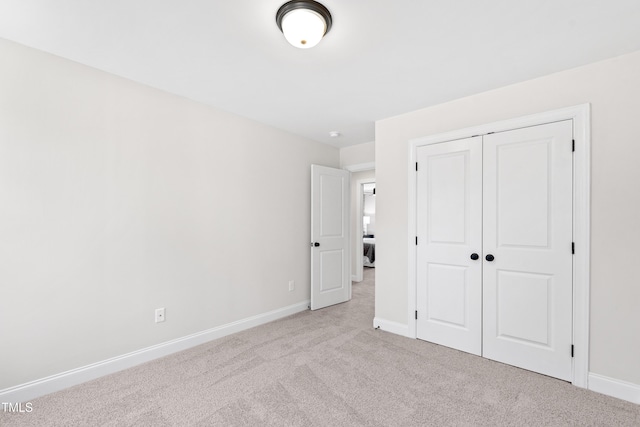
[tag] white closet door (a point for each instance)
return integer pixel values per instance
(527, 226)
(449, 207)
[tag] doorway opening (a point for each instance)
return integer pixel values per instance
(364, 234)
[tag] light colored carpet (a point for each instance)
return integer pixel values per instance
(328, 367)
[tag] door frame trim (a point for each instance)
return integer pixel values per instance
(581, 119)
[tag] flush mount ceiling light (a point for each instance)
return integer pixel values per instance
(303, 23)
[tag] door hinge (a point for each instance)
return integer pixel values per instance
(416, 314)
(573, 145)
(416, 240)
(374, 191)
(573, 248)
(571, 350)
(416, 166)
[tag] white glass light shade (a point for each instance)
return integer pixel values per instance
(303, 28)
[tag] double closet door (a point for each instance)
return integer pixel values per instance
(494, 256)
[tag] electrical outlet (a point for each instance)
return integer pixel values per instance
(292, 285)
(159, 315)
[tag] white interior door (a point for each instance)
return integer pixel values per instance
(449, 239)
(528, 232)
(330, 254)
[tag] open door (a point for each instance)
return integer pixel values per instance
(330, 251)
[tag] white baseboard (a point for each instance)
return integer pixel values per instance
(40, 387)
(615, 388)
(390, 326)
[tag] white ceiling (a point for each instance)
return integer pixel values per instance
(380, 59)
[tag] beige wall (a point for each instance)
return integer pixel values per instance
(613, 89)
(117, 199)
(358, 154)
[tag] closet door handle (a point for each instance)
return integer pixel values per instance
(489, 257)
(474, 256)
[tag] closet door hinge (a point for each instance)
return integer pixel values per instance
(416, 166)
(416, 240)
(573, 248)
(571, 350)
(573, 145)
(417, 318)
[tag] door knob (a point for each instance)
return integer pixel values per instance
(316, 244)
(489, 257)
(474, 256)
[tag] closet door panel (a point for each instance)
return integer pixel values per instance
(449, 206)
(527, 228)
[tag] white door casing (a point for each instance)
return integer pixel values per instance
(449, 229)
(527, 228)
(330, 234)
